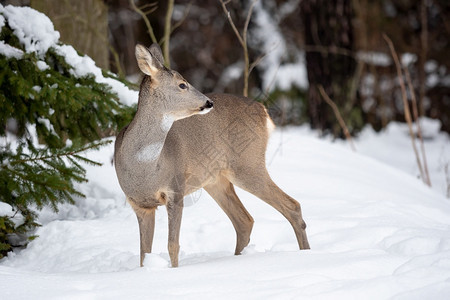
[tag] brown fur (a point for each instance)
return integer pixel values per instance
(215, 151)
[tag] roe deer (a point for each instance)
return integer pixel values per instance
(178, 143)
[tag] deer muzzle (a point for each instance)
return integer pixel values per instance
(207, 107)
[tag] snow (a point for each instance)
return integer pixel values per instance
(84, 66)
(34, 29)
(6, 210)
(47, 124)
(292, 74)
(36, 32)
(10, 51)
(437, 149)
(42, 65)
(276, 71)
(375, 58)
(408, 59)
(376, 232)
(2, 22)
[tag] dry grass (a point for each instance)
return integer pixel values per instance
(420, 159)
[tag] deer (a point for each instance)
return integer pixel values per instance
(180, 141)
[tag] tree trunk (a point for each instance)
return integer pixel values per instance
(329, 60)
(82, 24)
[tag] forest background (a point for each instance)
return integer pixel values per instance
(337, 65)
(297, 46)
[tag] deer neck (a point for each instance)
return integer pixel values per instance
(147, 133)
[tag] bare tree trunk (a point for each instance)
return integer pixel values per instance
(328, 28)
(423, 54)
(82, 24)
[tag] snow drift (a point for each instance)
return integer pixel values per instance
(375, 233)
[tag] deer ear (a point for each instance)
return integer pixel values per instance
(155, 50)
(146, 61)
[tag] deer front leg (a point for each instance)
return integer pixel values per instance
(174, 212)
(146, 220)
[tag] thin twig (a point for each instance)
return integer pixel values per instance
(247, 21)
(407, 112)
(230, 20)
(242, 40)
(178, 24)
(272, 81)
(338, 116)
(183, 18)
(419, 128)
(167, 32)
(146, 20)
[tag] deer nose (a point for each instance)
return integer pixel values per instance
(209, 104)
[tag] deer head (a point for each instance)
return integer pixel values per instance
(166, 88)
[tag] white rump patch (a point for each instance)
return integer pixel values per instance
(270, 125)
(150, 152)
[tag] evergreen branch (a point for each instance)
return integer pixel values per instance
(63, 154)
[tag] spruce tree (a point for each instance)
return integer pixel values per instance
(49, 115)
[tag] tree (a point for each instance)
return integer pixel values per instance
(52, 108)
(330, 63)
(82, 18)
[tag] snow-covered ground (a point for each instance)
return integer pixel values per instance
(376, 232)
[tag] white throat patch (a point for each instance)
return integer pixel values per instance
(150, 152)
(167, 122)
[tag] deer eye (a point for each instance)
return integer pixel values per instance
(182, 86)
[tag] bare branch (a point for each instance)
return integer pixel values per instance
(256, 62)
(183, 18)
(419, 128)
(178, 24)
(146, 20)
(261, 57)
(227, 13)
(405, 103)
(167, 32)
(242, 40)
(272, 81)
(338, 116)
(247, 21)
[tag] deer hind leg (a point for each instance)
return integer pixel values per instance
(224, 194)
(146, 221)
(261, 185)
